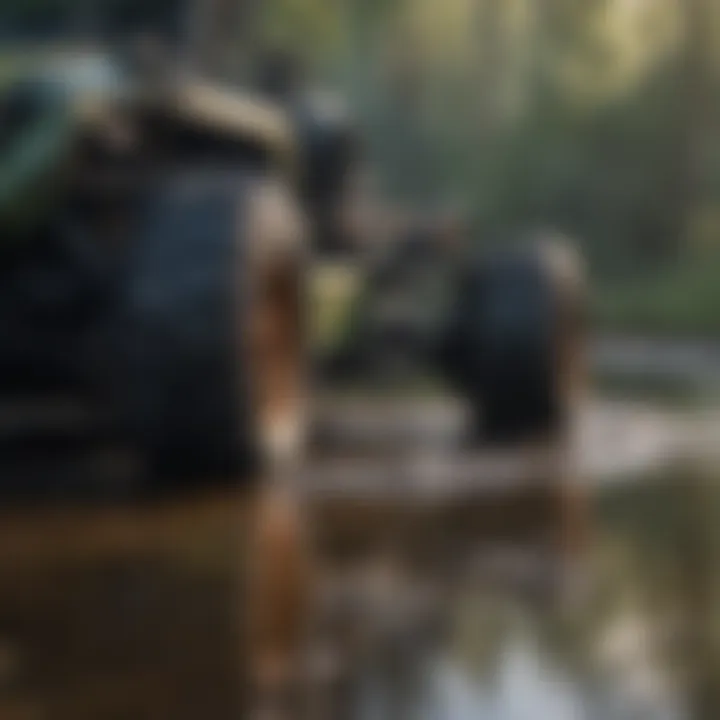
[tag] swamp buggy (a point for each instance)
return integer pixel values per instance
(158, 235)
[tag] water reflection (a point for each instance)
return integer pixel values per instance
(642, 647)
(134, 615)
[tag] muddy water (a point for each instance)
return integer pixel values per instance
(121, 613)
(643, 645)
(132, 613)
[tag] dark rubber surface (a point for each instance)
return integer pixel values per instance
(182, 390)
(498, 349)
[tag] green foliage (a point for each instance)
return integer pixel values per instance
(601, 176)
(684, 298)
(313, 27)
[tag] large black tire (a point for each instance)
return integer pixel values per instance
(49, 299)
(184, 375)
(504, 349)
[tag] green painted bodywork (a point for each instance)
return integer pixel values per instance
(336, 291)
(31, 167)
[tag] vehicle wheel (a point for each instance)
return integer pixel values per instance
(513, 345)
(207, 376)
